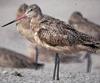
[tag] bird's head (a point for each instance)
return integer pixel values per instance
(76, 17)
(33, 11)
(21, 10)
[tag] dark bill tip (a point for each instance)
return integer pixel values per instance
(8, 23)
(14, 20)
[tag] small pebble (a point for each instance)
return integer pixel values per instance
(5, 72)
(17, 74)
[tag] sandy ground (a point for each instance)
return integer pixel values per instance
(67, 75)
(10, 38)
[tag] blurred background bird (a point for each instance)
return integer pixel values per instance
(12, 59)
(82, 24)
(23, 26)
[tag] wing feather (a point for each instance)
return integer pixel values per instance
(58, 33)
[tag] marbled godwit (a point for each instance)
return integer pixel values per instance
(56, 35)
(9, 58)
(23, 27)
(85, 26)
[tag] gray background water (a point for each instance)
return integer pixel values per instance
(62, 9)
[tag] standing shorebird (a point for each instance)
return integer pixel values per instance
(23, 26)
(56, 35)
(85, 26)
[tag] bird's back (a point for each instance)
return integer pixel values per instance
(87, 27)
(9, 58)
(59, 36)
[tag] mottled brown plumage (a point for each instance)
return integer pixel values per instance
(23, 28)
(58, 36)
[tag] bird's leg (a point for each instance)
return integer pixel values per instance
(37, 65)
(37, 55)
(89, 61)
(58, 62)
(54, 73)
(56, 68)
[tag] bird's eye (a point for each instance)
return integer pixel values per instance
(31, 9)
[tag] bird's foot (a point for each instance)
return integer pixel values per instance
(38, 65)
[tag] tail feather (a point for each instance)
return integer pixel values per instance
(90, 41)
(94, 45)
